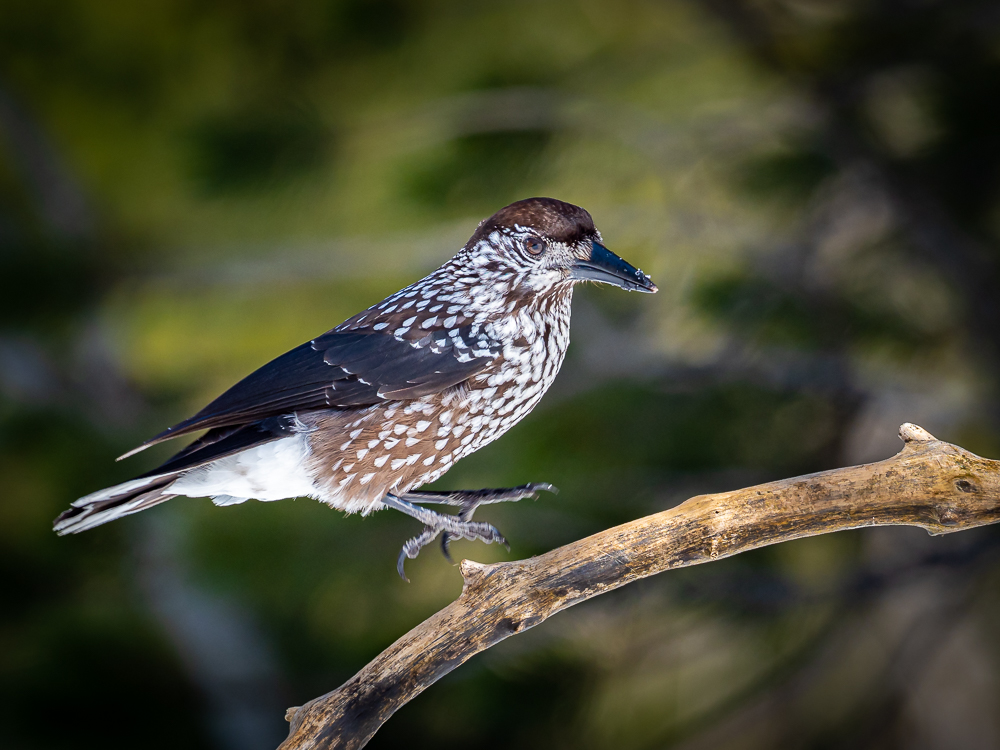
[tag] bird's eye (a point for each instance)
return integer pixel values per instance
(535, 246)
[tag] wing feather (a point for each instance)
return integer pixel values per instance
(347, 367)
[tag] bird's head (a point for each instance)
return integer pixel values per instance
(544, 244)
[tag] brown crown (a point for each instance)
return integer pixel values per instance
(552, 219)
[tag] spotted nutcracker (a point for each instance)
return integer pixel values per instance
(390, 399)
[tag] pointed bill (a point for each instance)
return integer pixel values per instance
(605, 267)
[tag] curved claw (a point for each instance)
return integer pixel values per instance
(399, 564)
(445, 538)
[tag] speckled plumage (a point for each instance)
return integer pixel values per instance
(400, 446)
(391, 398)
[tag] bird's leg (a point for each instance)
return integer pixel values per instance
(468, 501)
(434, 524)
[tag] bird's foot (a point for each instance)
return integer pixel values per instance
(485, 532)
(459, 526)
(437, 523)
(469, 500)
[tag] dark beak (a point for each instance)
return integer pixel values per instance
(606, 267)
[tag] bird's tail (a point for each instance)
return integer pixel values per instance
(114, 502)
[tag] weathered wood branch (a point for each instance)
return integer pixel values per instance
(929, 483)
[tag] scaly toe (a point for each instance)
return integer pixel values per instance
(484, 532)
(543, 487)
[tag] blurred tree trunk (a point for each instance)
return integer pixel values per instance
(939, 193)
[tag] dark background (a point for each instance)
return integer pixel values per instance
(188, 189)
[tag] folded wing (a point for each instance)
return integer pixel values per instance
(349, 367)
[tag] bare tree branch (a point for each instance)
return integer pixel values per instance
(929, 483)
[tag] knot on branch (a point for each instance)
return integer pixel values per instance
(472, 572)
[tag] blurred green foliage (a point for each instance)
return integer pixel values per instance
(790, 175)
(256, 150)
(189, 189)
(480, 170)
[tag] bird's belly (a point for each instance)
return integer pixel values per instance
(396, 448)
(272, 471)
(490, 406)
(359, 456)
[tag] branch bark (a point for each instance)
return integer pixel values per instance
(931, 484)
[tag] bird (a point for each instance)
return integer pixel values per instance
(365, 414)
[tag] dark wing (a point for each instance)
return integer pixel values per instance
(349, 368)
(220, 442)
